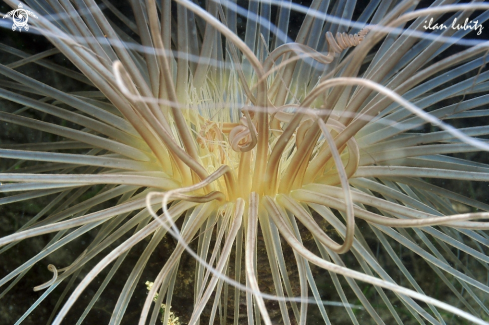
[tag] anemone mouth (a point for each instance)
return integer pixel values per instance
(269, 160)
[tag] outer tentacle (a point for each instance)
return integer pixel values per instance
(251, 233)
(288, 235)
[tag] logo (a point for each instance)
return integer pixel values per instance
(20, 16)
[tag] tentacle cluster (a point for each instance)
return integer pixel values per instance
(211, 137)
(325, 144)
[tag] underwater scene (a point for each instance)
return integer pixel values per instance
(244, 162)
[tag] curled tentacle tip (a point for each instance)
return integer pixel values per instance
(343, 41)
(53, 269)
(241, 138)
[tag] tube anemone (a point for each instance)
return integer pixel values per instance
(302, 173)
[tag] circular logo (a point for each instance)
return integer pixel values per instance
(20, 17)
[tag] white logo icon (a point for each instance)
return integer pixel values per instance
(20, 17)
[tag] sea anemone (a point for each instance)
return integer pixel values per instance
(289, 162)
